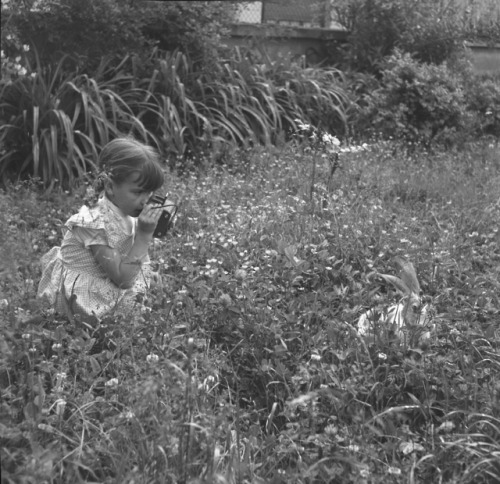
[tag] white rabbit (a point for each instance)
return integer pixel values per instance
(410, 317)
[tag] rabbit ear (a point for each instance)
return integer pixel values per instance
(408, 274)
(399, 284)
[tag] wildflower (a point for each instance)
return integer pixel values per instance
(60, 378)
(447, 426)
(353, 448)
(225, 299)
(409, 447)
(56, 346)
(382, 356)
(240, 274)
(112, 383)
(331, 430)
(152, 358)
(396, 471)
(315, 357)
(364, 472)
(209, 383)
(127, 415)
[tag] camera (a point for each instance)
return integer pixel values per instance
(167, 216)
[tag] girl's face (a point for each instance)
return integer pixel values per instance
(128, 195)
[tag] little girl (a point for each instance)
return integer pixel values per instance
(103, 263)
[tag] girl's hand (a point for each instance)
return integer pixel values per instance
(148, 218)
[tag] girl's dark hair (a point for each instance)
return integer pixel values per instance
(123, 157)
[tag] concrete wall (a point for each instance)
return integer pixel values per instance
(484, 58)
(307, 44)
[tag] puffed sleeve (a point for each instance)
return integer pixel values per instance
(89, 228)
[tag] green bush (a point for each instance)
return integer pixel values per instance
(483, 102)
(429, 31)
(84, 31)
(80, 31)
(418, 103)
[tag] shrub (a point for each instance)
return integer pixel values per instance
(374, 27)
(432, 33)
(418, 102)
(80, 31)
(483, 101)
(87, 30)
(359, 86)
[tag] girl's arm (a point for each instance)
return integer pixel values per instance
(123, 270)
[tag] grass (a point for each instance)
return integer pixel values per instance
(245, 366)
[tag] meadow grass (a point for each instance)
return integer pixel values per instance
(245, 365)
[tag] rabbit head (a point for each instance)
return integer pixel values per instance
(411, 311)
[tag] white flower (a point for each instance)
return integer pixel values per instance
(225, 299)
(240, 274)
(152, 358)
(127, 415)
(382, 356)
(209, 383)
(112, 383)
(447, 426)
(328, 139)
(396, 471)
(410, 447)
(364, 472)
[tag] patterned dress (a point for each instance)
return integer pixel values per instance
(72, 281)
